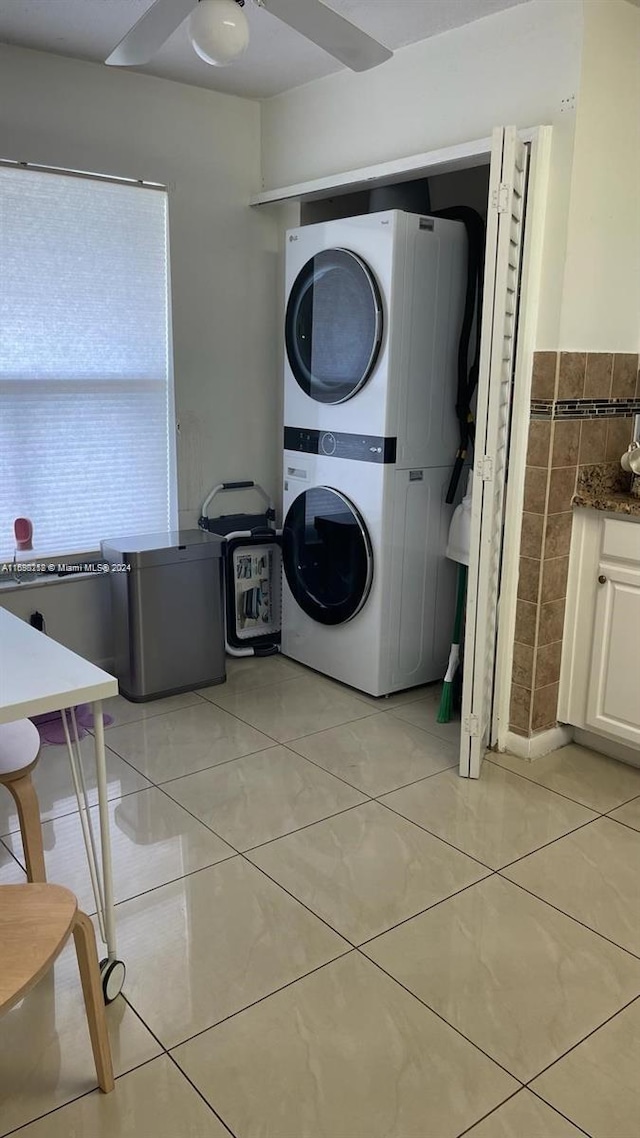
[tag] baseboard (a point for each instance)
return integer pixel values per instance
(538, 745)
(604, 746)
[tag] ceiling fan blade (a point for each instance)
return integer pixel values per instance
(147, 36)
(330, 31)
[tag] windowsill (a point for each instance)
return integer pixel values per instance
(39, 580)
(42, 581)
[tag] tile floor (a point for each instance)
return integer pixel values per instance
(328, 934)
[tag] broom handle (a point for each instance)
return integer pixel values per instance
(460, 599)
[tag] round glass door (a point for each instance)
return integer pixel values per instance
(327, 556)
(333, 326)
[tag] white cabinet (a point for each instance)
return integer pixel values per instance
(600, 679)
(613, 694)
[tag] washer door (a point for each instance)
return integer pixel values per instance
(333, 326)
(327, 555)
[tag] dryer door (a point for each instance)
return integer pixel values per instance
(333, 325)
(327, 555)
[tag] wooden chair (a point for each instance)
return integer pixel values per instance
(36, 922)
(19, 753)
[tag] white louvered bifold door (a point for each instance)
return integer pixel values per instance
(507, 187)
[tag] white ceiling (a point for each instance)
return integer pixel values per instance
(277, 58)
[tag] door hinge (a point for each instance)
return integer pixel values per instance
(471, 726)
(501, 197)
(484, 469)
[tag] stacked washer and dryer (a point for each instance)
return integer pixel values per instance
(374, 309)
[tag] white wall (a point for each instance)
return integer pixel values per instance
(515, 66)
(521, 66)
(224, 263)
(77, 613)
(206, 148)
(601, 290)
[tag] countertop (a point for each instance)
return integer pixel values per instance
(606, 486)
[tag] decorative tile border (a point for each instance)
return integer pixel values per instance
(584, 408)
(542, 408)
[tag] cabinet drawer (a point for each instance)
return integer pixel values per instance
(621, 539)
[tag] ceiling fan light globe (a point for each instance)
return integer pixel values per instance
(219, 31)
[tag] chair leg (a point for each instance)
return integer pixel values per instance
(85, 940)
(26, 800)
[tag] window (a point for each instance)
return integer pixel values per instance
(86, 394)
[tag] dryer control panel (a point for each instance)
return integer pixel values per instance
(340, 444)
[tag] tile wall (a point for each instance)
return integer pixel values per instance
(582, 408)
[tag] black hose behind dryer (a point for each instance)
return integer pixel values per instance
(467, 372)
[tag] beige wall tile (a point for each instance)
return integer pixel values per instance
(553, 454)
(551, 621)
(593, 441)
(526, 614)
(529, 579)
(562, 487)
(543, 379)
(625, 370)
(520, 710)
(554, 579)
(571, 375)
(566, 443)
(523, 665)
(619, 433)
(539, 442)
(535, 489)
(558, 534)
(531, 539)
(598, 380)
(544, 711)
(548, 664)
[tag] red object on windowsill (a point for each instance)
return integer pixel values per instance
(23, 533)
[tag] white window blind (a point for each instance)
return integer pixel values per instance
(86, 393)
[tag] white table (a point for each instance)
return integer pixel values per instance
(38, 675)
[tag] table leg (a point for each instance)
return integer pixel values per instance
(80, 787)
(105, 842)
(112, 970)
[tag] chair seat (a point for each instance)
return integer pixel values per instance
(19, 748)
(35, 922)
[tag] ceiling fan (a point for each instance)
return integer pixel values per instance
(219, 31)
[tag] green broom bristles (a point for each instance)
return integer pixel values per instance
(446, 704)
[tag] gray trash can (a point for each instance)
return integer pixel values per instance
(167, 612)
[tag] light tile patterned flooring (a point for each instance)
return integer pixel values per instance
(329, 934)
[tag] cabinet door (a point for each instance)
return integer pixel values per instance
(613, 701)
